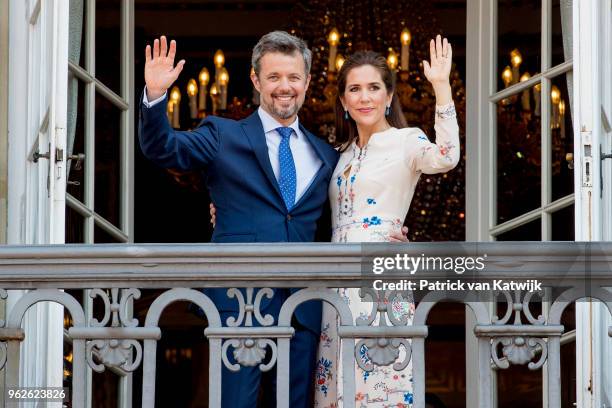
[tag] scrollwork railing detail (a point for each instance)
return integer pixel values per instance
(382, 351)
(114, 352)
(249, 351)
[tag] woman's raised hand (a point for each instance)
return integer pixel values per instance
(441, 53)
(160, 72)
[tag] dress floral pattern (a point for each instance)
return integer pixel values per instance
(370, 195)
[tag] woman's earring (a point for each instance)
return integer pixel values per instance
(346, 115)
(388, 111)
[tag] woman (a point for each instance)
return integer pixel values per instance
(370, 194)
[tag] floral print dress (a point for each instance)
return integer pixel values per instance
(370, 194)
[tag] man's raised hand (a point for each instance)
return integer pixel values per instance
(160, 71)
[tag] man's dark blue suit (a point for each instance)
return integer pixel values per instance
(250, 208)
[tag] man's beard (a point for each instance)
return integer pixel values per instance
(284, 113)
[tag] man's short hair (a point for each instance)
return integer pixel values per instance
(283, 42)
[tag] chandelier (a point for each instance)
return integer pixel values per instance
(334, 29)
(198, 93)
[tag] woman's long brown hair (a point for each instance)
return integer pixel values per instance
(346, 129)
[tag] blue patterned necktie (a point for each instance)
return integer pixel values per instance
(287, 178)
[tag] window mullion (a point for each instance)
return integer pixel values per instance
(90, 123)
(126, 208)
(546, 144)
(492, 122)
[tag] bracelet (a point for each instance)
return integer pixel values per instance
(446, 112)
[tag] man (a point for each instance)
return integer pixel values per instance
(266, 174)
(268, 177)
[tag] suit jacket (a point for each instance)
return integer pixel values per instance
(241, 183)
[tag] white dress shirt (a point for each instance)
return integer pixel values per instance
(307, 163)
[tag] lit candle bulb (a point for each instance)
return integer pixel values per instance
(175, 97)
(219, 60)
(204, 77)
(192, 92)
(507, 76)
(223, 82)
(537, 89)
(555, 97)
(392, 59)
(525, 100)
(405, 38)
(170, 111)
(333, 39)
(515, 60)
(339, 62)
(562, 118)
(214, 96)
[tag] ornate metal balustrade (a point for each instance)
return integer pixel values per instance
(116, 273)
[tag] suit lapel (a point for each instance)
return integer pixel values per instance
(253, 129)
(323, 170)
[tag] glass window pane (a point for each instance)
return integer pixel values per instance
(562, 138)
(108, 134)
(532, 231)
(519, 29)
(103, 237)
(563, 224)
(75, 135)
(561, 40)
(75, 224)
(518, 154)
(77, 24)
(108, 43)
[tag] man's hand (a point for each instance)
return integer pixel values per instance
(213, 215)
(399, 236)
(160, 72)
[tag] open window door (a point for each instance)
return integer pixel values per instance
(605, 59)
(38, 61)
(593, 133)
(47, 54)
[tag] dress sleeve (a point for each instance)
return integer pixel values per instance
(423, 156)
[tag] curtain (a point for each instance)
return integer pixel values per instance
(566, 30)
(74, 54)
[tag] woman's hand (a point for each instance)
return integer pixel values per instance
(438, 70)
(441, 54)
(160, 72)
(399, 236)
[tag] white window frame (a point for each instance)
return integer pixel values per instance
(592, 53)
(481, 151)
(4, 84)
(481, 183)
(36, 189)
(123, 101)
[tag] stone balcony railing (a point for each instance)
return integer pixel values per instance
(116, 273)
